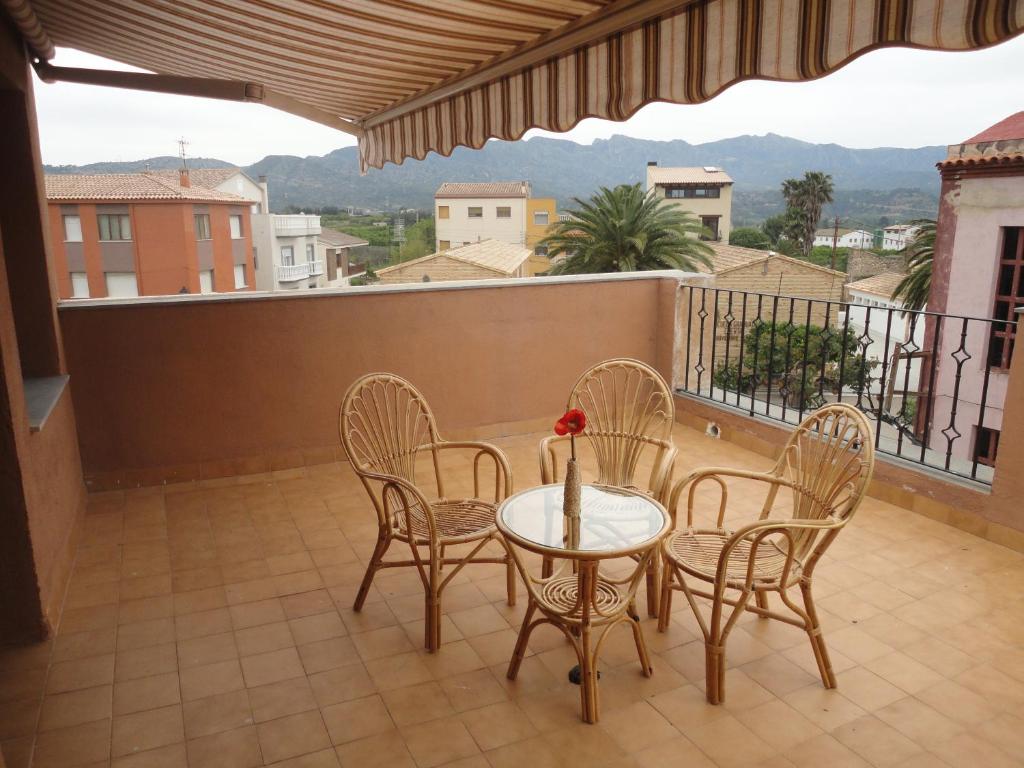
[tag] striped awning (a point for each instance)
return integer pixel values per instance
(410, 77)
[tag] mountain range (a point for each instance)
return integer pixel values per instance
(893, 183)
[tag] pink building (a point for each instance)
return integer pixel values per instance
(978, 272)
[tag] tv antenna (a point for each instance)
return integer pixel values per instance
(182, 143)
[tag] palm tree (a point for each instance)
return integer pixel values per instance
(625, 230)
(914, 289)
(804, 199)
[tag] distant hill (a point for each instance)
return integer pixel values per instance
(870, 183)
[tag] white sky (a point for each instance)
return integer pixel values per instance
(893, 97)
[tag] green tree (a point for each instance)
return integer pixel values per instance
(778, 354)
(804, 200)
(625, 230)
(914, 289)
(773, 228)
(749, 237)
(420, 239)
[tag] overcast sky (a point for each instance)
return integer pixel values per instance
(893, 97)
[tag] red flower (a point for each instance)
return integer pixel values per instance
(572, 423)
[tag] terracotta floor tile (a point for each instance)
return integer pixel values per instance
(18, 718)
(256, 613)
(916, 720)
(878, 743)
(866, 689)
(215, 714)
(636, 727)
(357, 719)
(147, 730)
(271, 667)
(325, 758)
(201, 651)
(146, 693)
(263, 638)
(328, 654)
(345, 683)
(825, 750)
(380, 643)
(79, 645)
(286, 697)
(145, 662)
(81, 673)
(307, 603)
(779, 725)
(481, 620)
(535, 753)
(439, 742)
(172, 756)
(417, 703)
(293, 735)
(385, 750)
(238, 748)
(72, 746)
(398, 671)
(676, 751)
(730, 743)
(828, 709)
(320, 626)
(63, 710)
(210, 680)
(202, 624)
(145, 634)
(199, 600)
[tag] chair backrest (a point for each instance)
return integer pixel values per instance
(828, 460)
(629, 407)
(383, 420)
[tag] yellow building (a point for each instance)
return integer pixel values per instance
(541, 214)
(705, 192)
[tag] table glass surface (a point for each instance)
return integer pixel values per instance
(610, 518)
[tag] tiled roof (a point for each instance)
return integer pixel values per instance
(203, 177)
(131, 186)
(880, 285)
(729, 257)
(1005, 130)
(659, 175)
(336, 239)
(483, 189)
(502, 257)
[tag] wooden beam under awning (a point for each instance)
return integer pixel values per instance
(207, 88)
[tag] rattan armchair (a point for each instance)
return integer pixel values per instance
(630, 413)
(385, 425)
(825, 466)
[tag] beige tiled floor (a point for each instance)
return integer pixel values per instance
(212, 626)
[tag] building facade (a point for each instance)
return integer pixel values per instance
(705, 192)
(336, 251)
(487, 259)
(470, 212)
(978, 272)
(845, 238)
(147, 234)
(896, 237)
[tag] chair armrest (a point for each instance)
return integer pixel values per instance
(403, 489)
(698, 476)
(502, 468)
(548, 465)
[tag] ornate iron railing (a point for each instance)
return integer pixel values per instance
(930, 382)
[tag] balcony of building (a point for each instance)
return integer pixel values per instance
(288, 273)
(208, 618)
(316, 268)
(296, 225)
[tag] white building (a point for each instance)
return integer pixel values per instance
(285, 248)
(848, 238)
(896, 237)
(706, 192)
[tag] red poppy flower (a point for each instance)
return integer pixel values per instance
(572, 423)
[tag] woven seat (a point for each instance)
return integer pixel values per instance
(455, 520)
(698, 551)
(825, 466)
(385, 425)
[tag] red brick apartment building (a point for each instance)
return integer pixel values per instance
(147, 234)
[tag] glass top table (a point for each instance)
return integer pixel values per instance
(613, 521)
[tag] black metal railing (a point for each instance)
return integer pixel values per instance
(932, 383)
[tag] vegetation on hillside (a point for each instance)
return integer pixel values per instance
(625, 230)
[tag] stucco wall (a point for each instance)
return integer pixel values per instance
(458, 228)
(166, 391)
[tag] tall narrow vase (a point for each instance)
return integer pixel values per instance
(571, 503)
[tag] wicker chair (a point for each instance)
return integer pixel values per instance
(630, 413)
(385, 424)
(826, 466)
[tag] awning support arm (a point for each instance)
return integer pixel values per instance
(208, 88)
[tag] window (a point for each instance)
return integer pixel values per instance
(444, 245)
(72, 229)
(541, 250)
(239, 275)
(693, 192)
(114, 226)
(1009, 296)
(476, 212)
(121, 284)
(287, 255)
(255, 258)
(310, 253)
(540, 218)
(206, 281)
(236, 226)
(504, 212)
(442, 211)
(710, 223)
(202, 226)
(79, 285)
(985, 446)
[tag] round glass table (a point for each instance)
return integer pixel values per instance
(613, 523)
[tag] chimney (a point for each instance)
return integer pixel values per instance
(651, 163)
(183, 178)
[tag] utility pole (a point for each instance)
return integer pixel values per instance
(835, 241)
